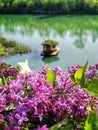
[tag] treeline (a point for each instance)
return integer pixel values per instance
(48, 6)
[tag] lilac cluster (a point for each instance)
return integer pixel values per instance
(69, 99)
(73, 69)
(94, 105)
(30, 99)
(7, 70)
(90, 73)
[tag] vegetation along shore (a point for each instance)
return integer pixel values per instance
(12, 47)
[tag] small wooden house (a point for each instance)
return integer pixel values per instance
(49, 48)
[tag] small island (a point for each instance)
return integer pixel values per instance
(12, 47)
(49, 48)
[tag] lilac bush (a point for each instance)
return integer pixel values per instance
(31, 102)
(7, 70)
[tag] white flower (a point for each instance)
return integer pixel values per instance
(23, 66)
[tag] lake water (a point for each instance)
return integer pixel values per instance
(77, 37)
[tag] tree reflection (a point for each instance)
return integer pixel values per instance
(81, 38)
(80, 27)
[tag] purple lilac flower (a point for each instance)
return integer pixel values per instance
(96, 65)
(31, 95)
(72, 101)
(42, 128)
(6, 127)
(1, 118)
(63, 81)
(16, 128)
(30, 99)
(94, 104)
(73, 69)
(7, 70)
(90, 73)
(57, 70)
(21, 118)
(4, 98)
(92, 67)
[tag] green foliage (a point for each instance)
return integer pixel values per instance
(93, 86)
(65, 124)
(79, 79)
(20, 49)
(50, 42)
(79, 75)
(1, 5)
(91, 122)
(60, 126)
(30, 6)
(12, 47)
(2, 53)
(48, 6)
(19, 6)
(65, 6)
(50, 77)
(4, 81)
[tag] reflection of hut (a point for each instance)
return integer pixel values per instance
(49, 60)
(49, 48)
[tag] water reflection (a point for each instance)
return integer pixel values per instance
(81, 38)
(79, 27)
(48, 60)
(77, 35)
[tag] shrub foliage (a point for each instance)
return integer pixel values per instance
(49, 6)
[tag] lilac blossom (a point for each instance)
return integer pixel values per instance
(94, 104)
(30, 99)
(42, 128)
(73, 69)
(90, 73)
(7, 70)
(1, 118)
(21, 118)
(6, 127)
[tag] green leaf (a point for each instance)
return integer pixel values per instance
(2, 125)
(10, 107)
(79, 75)
(50, 77)
(65, 124)
(59, 125)
(91, 122)
(88, 125)
(3, 81)
(93, 86)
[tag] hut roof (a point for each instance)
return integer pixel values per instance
(50, 42)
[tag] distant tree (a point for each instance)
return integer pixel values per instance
(6, 5)
(19, 6)
(30, 6)
(1, 5)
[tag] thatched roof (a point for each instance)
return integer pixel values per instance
(50, 42)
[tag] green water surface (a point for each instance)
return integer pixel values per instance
(77, 36)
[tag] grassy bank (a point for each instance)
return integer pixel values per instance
(12, 48)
